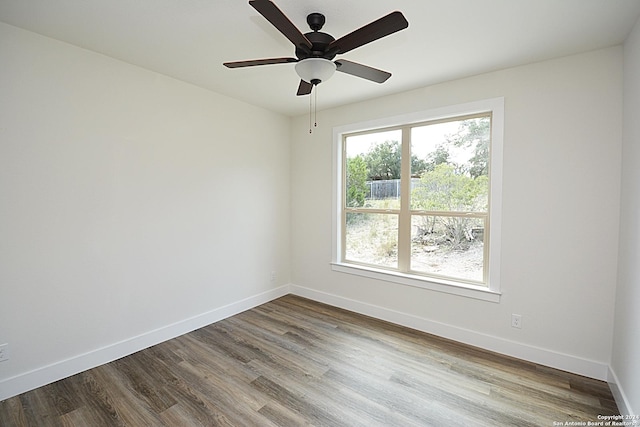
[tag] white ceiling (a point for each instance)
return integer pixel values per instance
(446, 39)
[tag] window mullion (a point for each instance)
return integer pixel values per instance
(404, 221)
(343, 201)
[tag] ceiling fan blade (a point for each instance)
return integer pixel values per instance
(363, 71)
(254, 62)
(279, 20)
(304, 88)
(389, 24)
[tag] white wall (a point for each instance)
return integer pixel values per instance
(626, 348)
(562, 149)
(129, 201)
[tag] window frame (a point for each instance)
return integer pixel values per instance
(490, 291)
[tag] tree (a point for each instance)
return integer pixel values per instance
(474, 133)
(444, 189)
(439, 156)
(383, 161)
(357, 174)
(418, 166)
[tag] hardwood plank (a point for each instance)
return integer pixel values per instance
(280, 415)
(296, 362)
(12, 413)
(143, 385)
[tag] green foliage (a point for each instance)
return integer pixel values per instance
(472, 134)
(357, 174)
(442, 189)
(445, 189)
(383, 161)
(439, 156)
(475, 133)
(418, 166)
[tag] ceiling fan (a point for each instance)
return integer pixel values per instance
(315, 50)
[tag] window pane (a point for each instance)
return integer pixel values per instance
(448, 246)
(450, 166)
(372, 238)
(373, 170)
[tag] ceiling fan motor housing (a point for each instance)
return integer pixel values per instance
(319, 40)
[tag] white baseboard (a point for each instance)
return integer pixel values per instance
(47, 374)
(619, 395)
(526, 352)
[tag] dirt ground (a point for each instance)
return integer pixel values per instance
(375, 242)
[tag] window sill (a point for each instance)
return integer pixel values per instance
(449, 287)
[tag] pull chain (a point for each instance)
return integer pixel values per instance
(313, 104)
(310, 110)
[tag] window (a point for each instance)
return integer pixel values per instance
(418, 199)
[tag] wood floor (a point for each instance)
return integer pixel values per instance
(295, 362)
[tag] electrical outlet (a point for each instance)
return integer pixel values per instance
(4, 352)
(516, 321)
(273, 277)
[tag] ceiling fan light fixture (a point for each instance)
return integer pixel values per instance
(315, 70)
